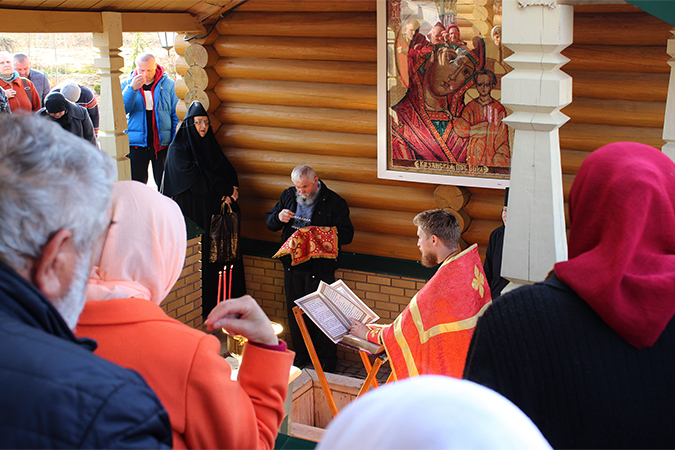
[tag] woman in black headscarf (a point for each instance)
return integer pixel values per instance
(199, 177)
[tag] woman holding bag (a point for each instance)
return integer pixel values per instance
(199, 177)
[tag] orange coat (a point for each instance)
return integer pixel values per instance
(182, 365)
(21, 100)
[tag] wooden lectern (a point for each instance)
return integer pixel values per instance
(364, 348)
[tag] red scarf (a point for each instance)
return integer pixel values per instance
(622, 239)
(310, 242)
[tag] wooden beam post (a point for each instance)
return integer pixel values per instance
(112, 138)
(669, 120)
(535, 91)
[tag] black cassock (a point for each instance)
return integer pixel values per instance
(493, 262)
(197, 175)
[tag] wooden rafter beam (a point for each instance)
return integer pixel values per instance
(41, 21)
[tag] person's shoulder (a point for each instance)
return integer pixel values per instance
(38, 356)
(542, 298)
(26, 81)
(85, 92)
(333, 195)
(37, 74)
(77, 111)
(166, 79)
(289, 191)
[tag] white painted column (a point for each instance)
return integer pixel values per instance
(113, 122)
(669, 120)
(535, 90)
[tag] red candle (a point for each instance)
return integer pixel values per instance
(220, 284)
(229, 288)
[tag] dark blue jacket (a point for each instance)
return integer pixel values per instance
(54, 393)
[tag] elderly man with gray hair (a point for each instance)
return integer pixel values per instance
(54, 393)
(310, 203)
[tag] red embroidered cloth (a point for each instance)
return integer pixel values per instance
(432, 334)
(310, 242)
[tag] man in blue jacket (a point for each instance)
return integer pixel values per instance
(150, 103)
(54, 392)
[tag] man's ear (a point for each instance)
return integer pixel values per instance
(48, 269)
(434, 240)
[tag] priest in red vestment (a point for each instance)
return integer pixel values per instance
(432, 334)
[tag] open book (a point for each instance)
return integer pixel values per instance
(331, 306)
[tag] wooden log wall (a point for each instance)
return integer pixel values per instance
(301, 88)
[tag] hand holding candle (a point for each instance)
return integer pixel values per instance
(252, 322)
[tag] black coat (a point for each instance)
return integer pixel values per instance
(493, 262)
(54, 393)
(76, 120)
(331, 211)
(4, 102)
(545, 349)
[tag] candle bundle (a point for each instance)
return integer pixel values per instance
(225, 288)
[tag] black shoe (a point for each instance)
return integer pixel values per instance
(301, 361)
(328, 367)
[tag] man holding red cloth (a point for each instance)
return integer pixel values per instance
(432, 334)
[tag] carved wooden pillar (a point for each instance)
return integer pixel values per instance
(669, 120)
(113, 122)
(535, 90)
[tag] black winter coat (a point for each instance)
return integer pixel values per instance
(331, 211)
(545, 349)
(54, 393)
(76, 120)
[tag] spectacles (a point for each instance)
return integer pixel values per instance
(202, 122)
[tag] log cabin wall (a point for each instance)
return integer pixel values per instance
(295, 82)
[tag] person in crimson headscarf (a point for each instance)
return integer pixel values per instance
(589, 353)
(199, 177)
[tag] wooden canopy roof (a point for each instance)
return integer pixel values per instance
(73, 16)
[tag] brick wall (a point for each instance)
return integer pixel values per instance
(184, 302)
(385, 294)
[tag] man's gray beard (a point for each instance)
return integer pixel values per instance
(71, 304)
(307, 201)
(429, 260)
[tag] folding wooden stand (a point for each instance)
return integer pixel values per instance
(370, 369)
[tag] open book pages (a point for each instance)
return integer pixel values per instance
(332, 305)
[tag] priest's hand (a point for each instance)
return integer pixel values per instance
(243, 316)
(358, 329)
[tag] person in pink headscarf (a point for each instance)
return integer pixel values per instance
(134, 268)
